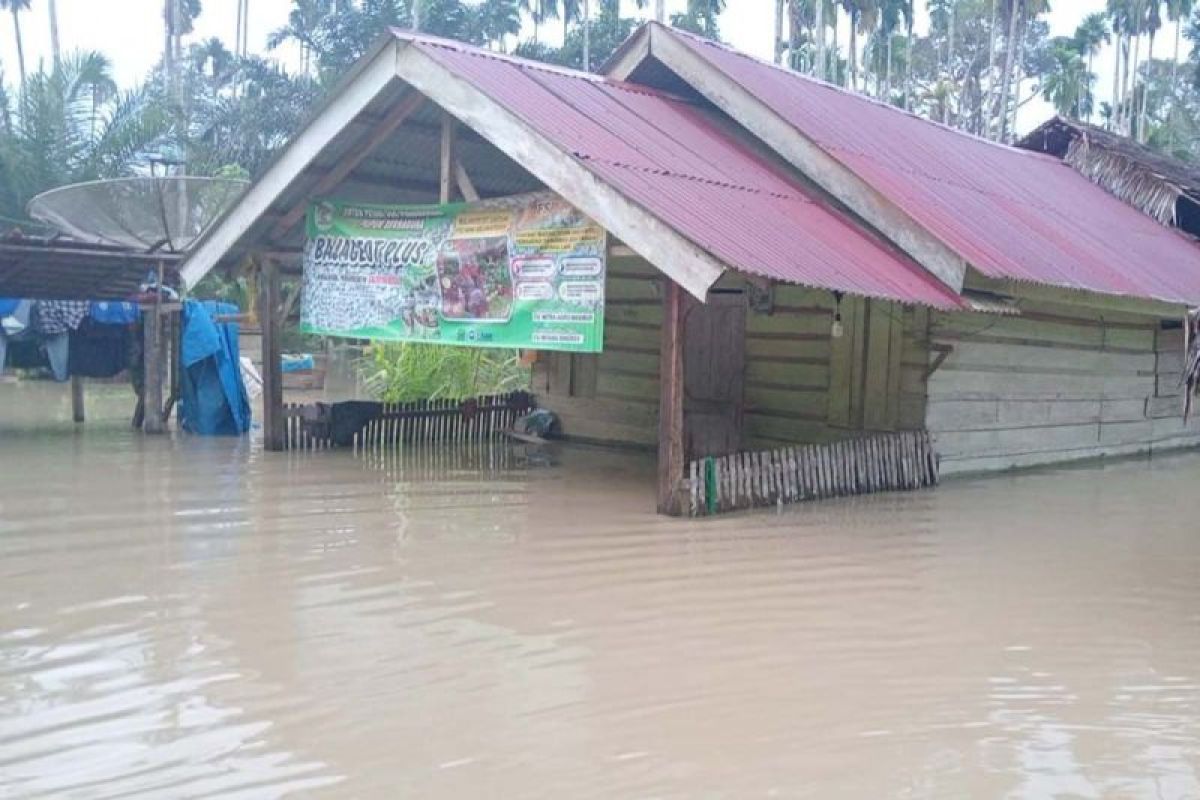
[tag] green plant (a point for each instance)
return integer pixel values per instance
(404, 371)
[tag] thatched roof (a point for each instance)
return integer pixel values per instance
(1142, 177)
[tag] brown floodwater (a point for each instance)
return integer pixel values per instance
(194, 618)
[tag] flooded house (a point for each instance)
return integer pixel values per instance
(789, 265)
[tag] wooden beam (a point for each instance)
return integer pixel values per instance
(1023, 290)
(77, 411)
(465, 187)
(349, 99)
(671, 437)
(446, 182)
(674, 254)
(272, 368)
(355, 155)
(153, 354)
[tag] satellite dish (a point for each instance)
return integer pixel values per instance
(149, 214)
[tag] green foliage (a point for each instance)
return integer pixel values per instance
(404, 371)
(72, 124)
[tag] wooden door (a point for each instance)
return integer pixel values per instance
(714, 369)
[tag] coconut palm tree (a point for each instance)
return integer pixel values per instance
(1067, 85)
(16, 7)
(71, 124)
(1178, 11)
(1090, 36)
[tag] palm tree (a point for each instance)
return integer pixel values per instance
(1178, 11)
(779, 11)
(71, 125)
(1067, 85)
(16, 7)
(499, 20)
(1020, 13)
(1151, 24)
(1006, 76)
(1120, 18)
(55, 51)
(1091, 35)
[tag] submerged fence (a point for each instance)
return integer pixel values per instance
(886, 462)
(374, 426)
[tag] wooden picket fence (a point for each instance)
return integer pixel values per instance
(881, 463)
(307, 426)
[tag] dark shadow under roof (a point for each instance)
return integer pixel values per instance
(56, 268)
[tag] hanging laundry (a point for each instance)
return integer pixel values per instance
(112, 312)
(58, 352)
(99, 350)
(59, 316)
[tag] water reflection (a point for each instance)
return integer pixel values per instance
(187, 618)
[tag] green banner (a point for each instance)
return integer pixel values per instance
(524, 271)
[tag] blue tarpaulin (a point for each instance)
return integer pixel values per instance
(212, 399)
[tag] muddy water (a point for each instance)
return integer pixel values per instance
(184, 618)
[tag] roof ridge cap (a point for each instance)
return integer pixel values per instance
(520, 62)
(793, 74)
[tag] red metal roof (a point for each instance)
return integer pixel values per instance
(675, 160)
(1010, 213)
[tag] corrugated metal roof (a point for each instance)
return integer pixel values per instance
(674, 159)
(1010, 213)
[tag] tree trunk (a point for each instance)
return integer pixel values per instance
(949, 66)
(660, 14)
(852, 71)
(1142, 117)
(1114, 116)
(887, 85)
(908, 67)
(55, 50)
(991, 69)
(821, 67)
(779, 7)
(1018, 75)
(1175, 62)
(587, 35)
(833, 67)
(416, 15)
(20, 46)
(1006, 78)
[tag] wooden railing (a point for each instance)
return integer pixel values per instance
(308, 426)
(880, 463)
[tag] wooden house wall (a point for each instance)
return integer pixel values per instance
(1056, 383)
(801, 384)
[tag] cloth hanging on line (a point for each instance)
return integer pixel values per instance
(99, 350)
(112, 312)
(59, 316)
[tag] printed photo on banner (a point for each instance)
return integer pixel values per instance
(525, 271)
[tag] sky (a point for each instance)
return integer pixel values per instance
(130, 33)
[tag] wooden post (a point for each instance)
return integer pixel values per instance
(272, 369)
(77, 398)
(154, 356)
(670, 407)
(447, 167)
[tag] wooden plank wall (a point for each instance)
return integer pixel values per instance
(792, 365)
(612, 397)
(1056, 383)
